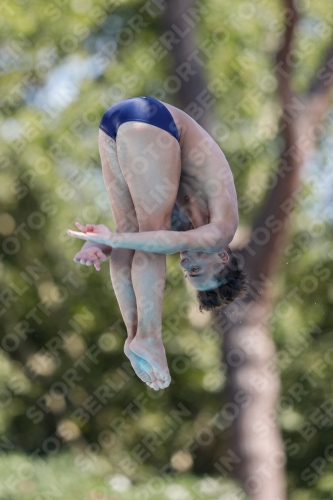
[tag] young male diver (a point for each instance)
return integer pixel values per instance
(171, 190)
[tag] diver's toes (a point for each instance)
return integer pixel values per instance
(160, 383)
(152, 376)
(154, 385)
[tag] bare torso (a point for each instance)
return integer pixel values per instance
(206, 189)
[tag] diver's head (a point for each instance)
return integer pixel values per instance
(217, 277)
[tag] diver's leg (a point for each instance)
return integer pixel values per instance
(121, 259)
(149, 158)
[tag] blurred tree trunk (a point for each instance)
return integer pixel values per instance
(253, 386)
(187, 64)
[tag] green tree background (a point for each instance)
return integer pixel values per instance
(73, 416)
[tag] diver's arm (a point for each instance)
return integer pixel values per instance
(208, 238)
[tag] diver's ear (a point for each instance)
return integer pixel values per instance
(224, 256)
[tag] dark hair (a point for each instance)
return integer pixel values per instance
(234, 285)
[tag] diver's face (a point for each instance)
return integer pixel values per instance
(200, 267)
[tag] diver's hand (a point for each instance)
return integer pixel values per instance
(98, 233)
(90, 256)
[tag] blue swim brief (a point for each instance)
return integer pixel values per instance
(138, 109)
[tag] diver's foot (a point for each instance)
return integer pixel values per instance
(151, 349)
(141, 367)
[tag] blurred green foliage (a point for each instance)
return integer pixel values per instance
(58, 478)
(64, 379)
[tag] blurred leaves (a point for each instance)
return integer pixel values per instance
(64, 379)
